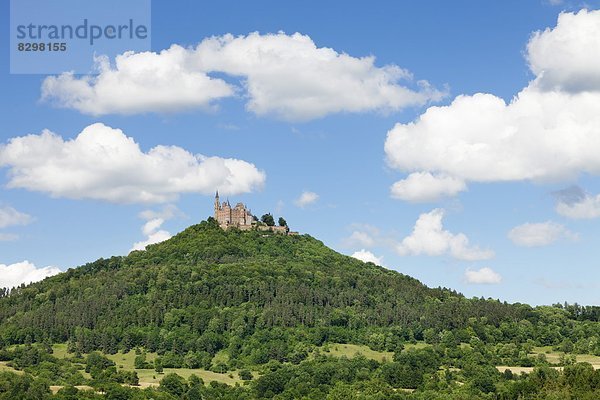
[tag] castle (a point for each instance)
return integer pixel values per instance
(238, 216)
(241, 218)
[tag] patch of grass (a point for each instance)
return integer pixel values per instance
(60, 350)
(418, 345)
(221, 356)
(553, 357)
(518, 370)
(149, 377)
(4, 367)
(352, 350)
(127, 360)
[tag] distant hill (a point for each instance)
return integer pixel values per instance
(227, 285)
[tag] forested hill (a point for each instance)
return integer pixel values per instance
(265, 307)
(229, 283)
(207, 289)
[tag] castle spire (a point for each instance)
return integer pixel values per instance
(217, 205)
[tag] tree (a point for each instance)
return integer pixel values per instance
(268, 220)
(158, 366)
(245, 375)
(173, 384)
(282, 222)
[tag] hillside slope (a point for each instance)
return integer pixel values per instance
(221, 286)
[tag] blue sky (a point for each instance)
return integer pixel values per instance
(467, 193)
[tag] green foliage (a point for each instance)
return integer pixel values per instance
(241, 302)
(268, 220)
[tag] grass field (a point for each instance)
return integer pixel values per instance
(4, 367)
(149, 377)
(553, 357)
(418, 345)
(352, 350)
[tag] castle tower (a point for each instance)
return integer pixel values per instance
(217, 205)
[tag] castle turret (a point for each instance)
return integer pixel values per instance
(217, 206)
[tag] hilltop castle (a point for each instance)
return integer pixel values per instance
(240, 217)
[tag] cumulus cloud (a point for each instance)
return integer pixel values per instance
(539, 234)
(548, 131)
(575, 203)
(167, 212)
(154, 221)
(482, 276)
(367, 256)
(430, 238)
(23, 272)
(287, 76)
(567, 57)
(153, 234)
(359, 239)
(138, 83)
(424, 186)
(102, 163)
(8, 237)
(11, 217)
(306, 198)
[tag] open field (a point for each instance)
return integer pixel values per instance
(149, 377)
(55, 388)
(418, 345)
(4, 367)
(553, 357)
(352, 350)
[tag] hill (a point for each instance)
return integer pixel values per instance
(215, 300)
(209, 280)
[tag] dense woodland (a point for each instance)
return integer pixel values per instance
(272, 303)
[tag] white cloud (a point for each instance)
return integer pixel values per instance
(423, 186)
(292, 78)
(482, 276)
(153, 238)
(138, 83)
(8, 237)
(154, 221)
(429, 238)
(549, 131)
(11, 217)
(567, 57)
(287, 76)
(167, 212)
(359, 238)
(306, 198)
(574, 203)
(367, 256)
(152, 225)
(24, 272)
(538, 234)
(102, 163)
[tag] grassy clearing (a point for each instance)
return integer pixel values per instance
(553, 357)
(4, 367)
(55, 388)
(149, 377)
(127, 360)
(418, 345)
(352, 350)
(518, 370)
